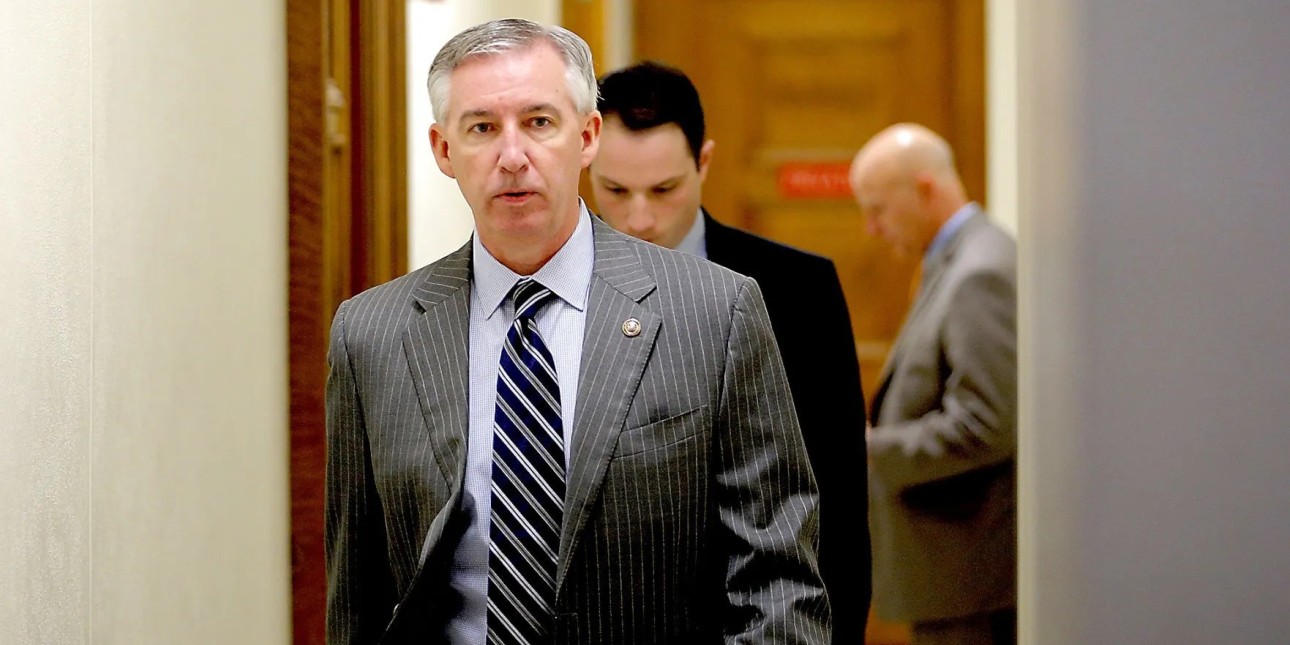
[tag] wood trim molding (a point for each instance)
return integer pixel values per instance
(969, 136)
(307, 149)
(380, 143)
(347, 229)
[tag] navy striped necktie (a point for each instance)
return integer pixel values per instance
(528, 481)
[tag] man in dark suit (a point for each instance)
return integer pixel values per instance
(944, 442)
(648, 178)
(559, 433)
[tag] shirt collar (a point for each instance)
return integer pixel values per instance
(695, 240)
(567, 274)
(951, 226)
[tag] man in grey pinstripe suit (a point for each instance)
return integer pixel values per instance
(689, 511)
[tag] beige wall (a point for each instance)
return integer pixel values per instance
(1154, 300)
(45, 339)
(143, 483)
(620, 34)
(1001, 111)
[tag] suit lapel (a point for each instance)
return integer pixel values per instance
(612, 365)
(933, 271)
(437, 347)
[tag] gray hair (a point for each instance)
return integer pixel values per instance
(509, 35)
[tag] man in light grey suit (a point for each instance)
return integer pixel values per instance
(943, 448)
(559, 434)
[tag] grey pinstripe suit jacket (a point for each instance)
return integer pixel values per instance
(690, 505)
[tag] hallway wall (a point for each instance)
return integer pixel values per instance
(143, 413)
(1154, 302)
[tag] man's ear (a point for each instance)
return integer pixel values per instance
(705, 158)
(925, 186)
(591, 137)
(439, 145)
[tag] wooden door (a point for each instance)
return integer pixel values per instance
(791, 90)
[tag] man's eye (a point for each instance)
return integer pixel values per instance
(662, 190)
(541, 122)
(618, 191)
(480, 128)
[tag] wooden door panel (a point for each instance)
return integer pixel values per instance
(787, 81)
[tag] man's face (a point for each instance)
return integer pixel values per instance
(893, 210)
(647, 183)
(515, 143)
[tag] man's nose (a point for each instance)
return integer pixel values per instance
(639, 218)
(513, 156)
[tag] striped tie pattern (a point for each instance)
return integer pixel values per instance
(528, 481)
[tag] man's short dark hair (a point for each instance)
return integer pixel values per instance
(647, 95)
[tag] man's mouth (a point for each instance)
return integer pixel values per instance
(515, 196)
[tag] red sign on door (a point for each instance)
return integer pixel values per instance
(813, 180)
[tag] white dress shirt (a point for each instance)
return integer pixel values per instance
(560, 321)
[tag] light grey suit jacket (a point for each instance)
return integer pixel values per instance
(942, 452)
(690, 511)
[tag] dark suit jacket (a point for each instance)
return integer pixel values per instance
(690, 509)
(944, 443)
(813, 328)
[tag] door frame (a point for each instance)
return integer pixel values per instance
(347, 229)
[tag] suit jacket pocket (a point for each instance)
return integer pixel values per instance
(663, 433)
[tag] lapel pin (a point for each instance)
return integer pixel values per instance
(631, 328)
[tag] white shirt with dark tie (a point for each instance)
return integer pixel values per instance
(560, 322)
